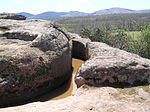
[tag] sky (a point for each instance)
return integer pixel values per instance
(39, 6)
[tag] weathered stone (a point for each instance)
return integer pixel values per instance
(12, 16)
(79, 48)
(35, 57)
(53, 41)
(96, 49)
(113, 67)
(74, 35)
(21, 35)
(91, 99)
(45, 54)
(30, 26)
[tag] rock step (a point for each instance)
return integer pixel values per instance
(108, 66)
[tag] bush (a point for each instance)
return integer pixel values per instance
(141, 45)
(115, 38)
(119, 38)
(146, 40)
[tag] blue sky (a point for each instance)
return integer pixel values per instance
(39, 6)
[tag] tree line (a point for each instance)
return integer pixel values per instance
(128, 22)
(130, 32)
(139, 43)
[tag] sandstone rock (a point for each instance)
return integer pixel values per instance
(21, 35)
(91, 99)
(74, 36)
(53, 41)
(96, 49)
(79, 48)
(34, 57)
(26, 59)
(112, 67)
(28, 30)
(12, 16)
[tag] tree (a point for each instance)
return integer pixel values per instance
(146, 39)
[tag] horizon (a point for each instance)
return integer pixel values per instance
(87, 6)
(82, 11)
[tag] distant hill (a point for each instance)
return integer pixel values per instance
(143, 11)
(25, 14)
(47, 15)
(113, 11)
(51, 14)
(75, 13)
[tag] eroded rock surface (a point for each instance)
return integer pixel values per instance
(12, 16)
(79, 46)
(96, 49)
(92, 99)
(34, 57)
(105, 66)
(113, 67)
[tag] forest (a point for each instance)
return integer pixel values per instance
(130, 32)
(128, 22)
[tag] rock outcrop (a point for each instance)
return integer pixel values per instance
(109, 66)
(12, 16)
(96, 49)
(35, 57)
(93, 99)
(79, 46)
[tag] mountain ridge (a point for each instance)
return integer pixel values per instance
(115, 10)
(53, 14)
(25, 14)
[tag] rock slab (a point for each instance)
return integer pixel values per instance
(35, 57)
(109, 66)
(12, 16)
(91, 99)
(79, 46)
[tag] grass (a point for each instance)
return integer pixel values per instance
(68, 27)
(135, 35)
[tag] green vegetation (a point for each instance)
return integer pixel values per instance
(115, 38)
(130, 32)
(127, 22)
(135, 42)
(139, 43)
